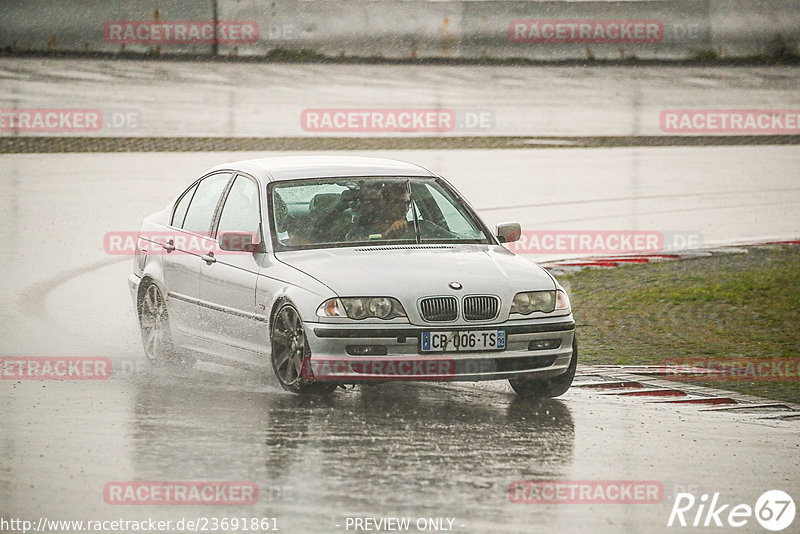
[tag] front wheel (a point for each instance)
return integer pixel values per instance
(551, 387)
(290, 352)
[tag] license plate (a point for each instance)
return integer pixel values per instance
(463, 341)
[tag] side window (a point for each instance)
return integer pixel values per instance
(180, 209)
(241, 213)
(201, 209)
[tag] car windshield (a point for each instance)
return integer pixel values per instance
(335, 212)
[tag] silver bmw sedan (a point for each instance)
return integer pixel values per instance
(346, 270)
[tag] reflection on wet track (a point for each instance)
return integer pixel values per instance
(411, 450)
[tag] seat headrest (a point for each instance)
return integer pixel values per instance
(323, 201)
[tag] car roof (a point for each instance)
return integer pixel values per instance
(301, 167)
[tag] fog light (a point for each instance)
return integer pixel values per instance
(544, 344)
(366, 350)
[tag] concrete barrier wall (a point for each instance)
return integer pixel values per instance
(416, 28)
(77, 25)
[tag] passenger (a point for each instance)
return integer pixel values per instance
(286, 226)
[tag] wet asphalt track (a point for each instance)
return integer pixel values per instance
(395, 450)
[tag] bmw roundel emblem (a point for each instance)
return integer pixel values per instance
(455, 285)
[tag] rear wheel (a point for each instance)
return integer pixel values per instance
(290, 352)
(551, 387)
(154, 325)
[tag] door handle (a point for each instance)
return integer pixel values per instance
(208, 258)
(169, 246)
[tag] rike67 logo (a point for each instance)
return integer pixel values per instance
(774, 510)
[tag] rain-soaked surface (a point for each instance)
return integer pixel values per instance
(381, 451)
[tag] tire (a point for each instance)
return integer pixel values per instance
(156, 334)
(551, 387)
(290, 352)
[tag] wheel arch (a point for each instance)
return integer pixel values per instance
(280, 301)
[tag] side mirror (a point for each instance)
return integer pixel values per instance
(508, 232)
(237, 242)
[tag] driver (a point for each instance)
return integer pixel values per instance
(382, 212)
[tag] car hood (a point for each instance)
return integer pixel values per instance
(414, 271)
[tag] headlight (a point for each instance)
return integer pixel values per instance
(380, 307)
(362, 307)
(532, 301)
(356, 308)
(543, 301)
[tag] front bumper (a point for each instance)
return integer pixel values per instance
(403, 360)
